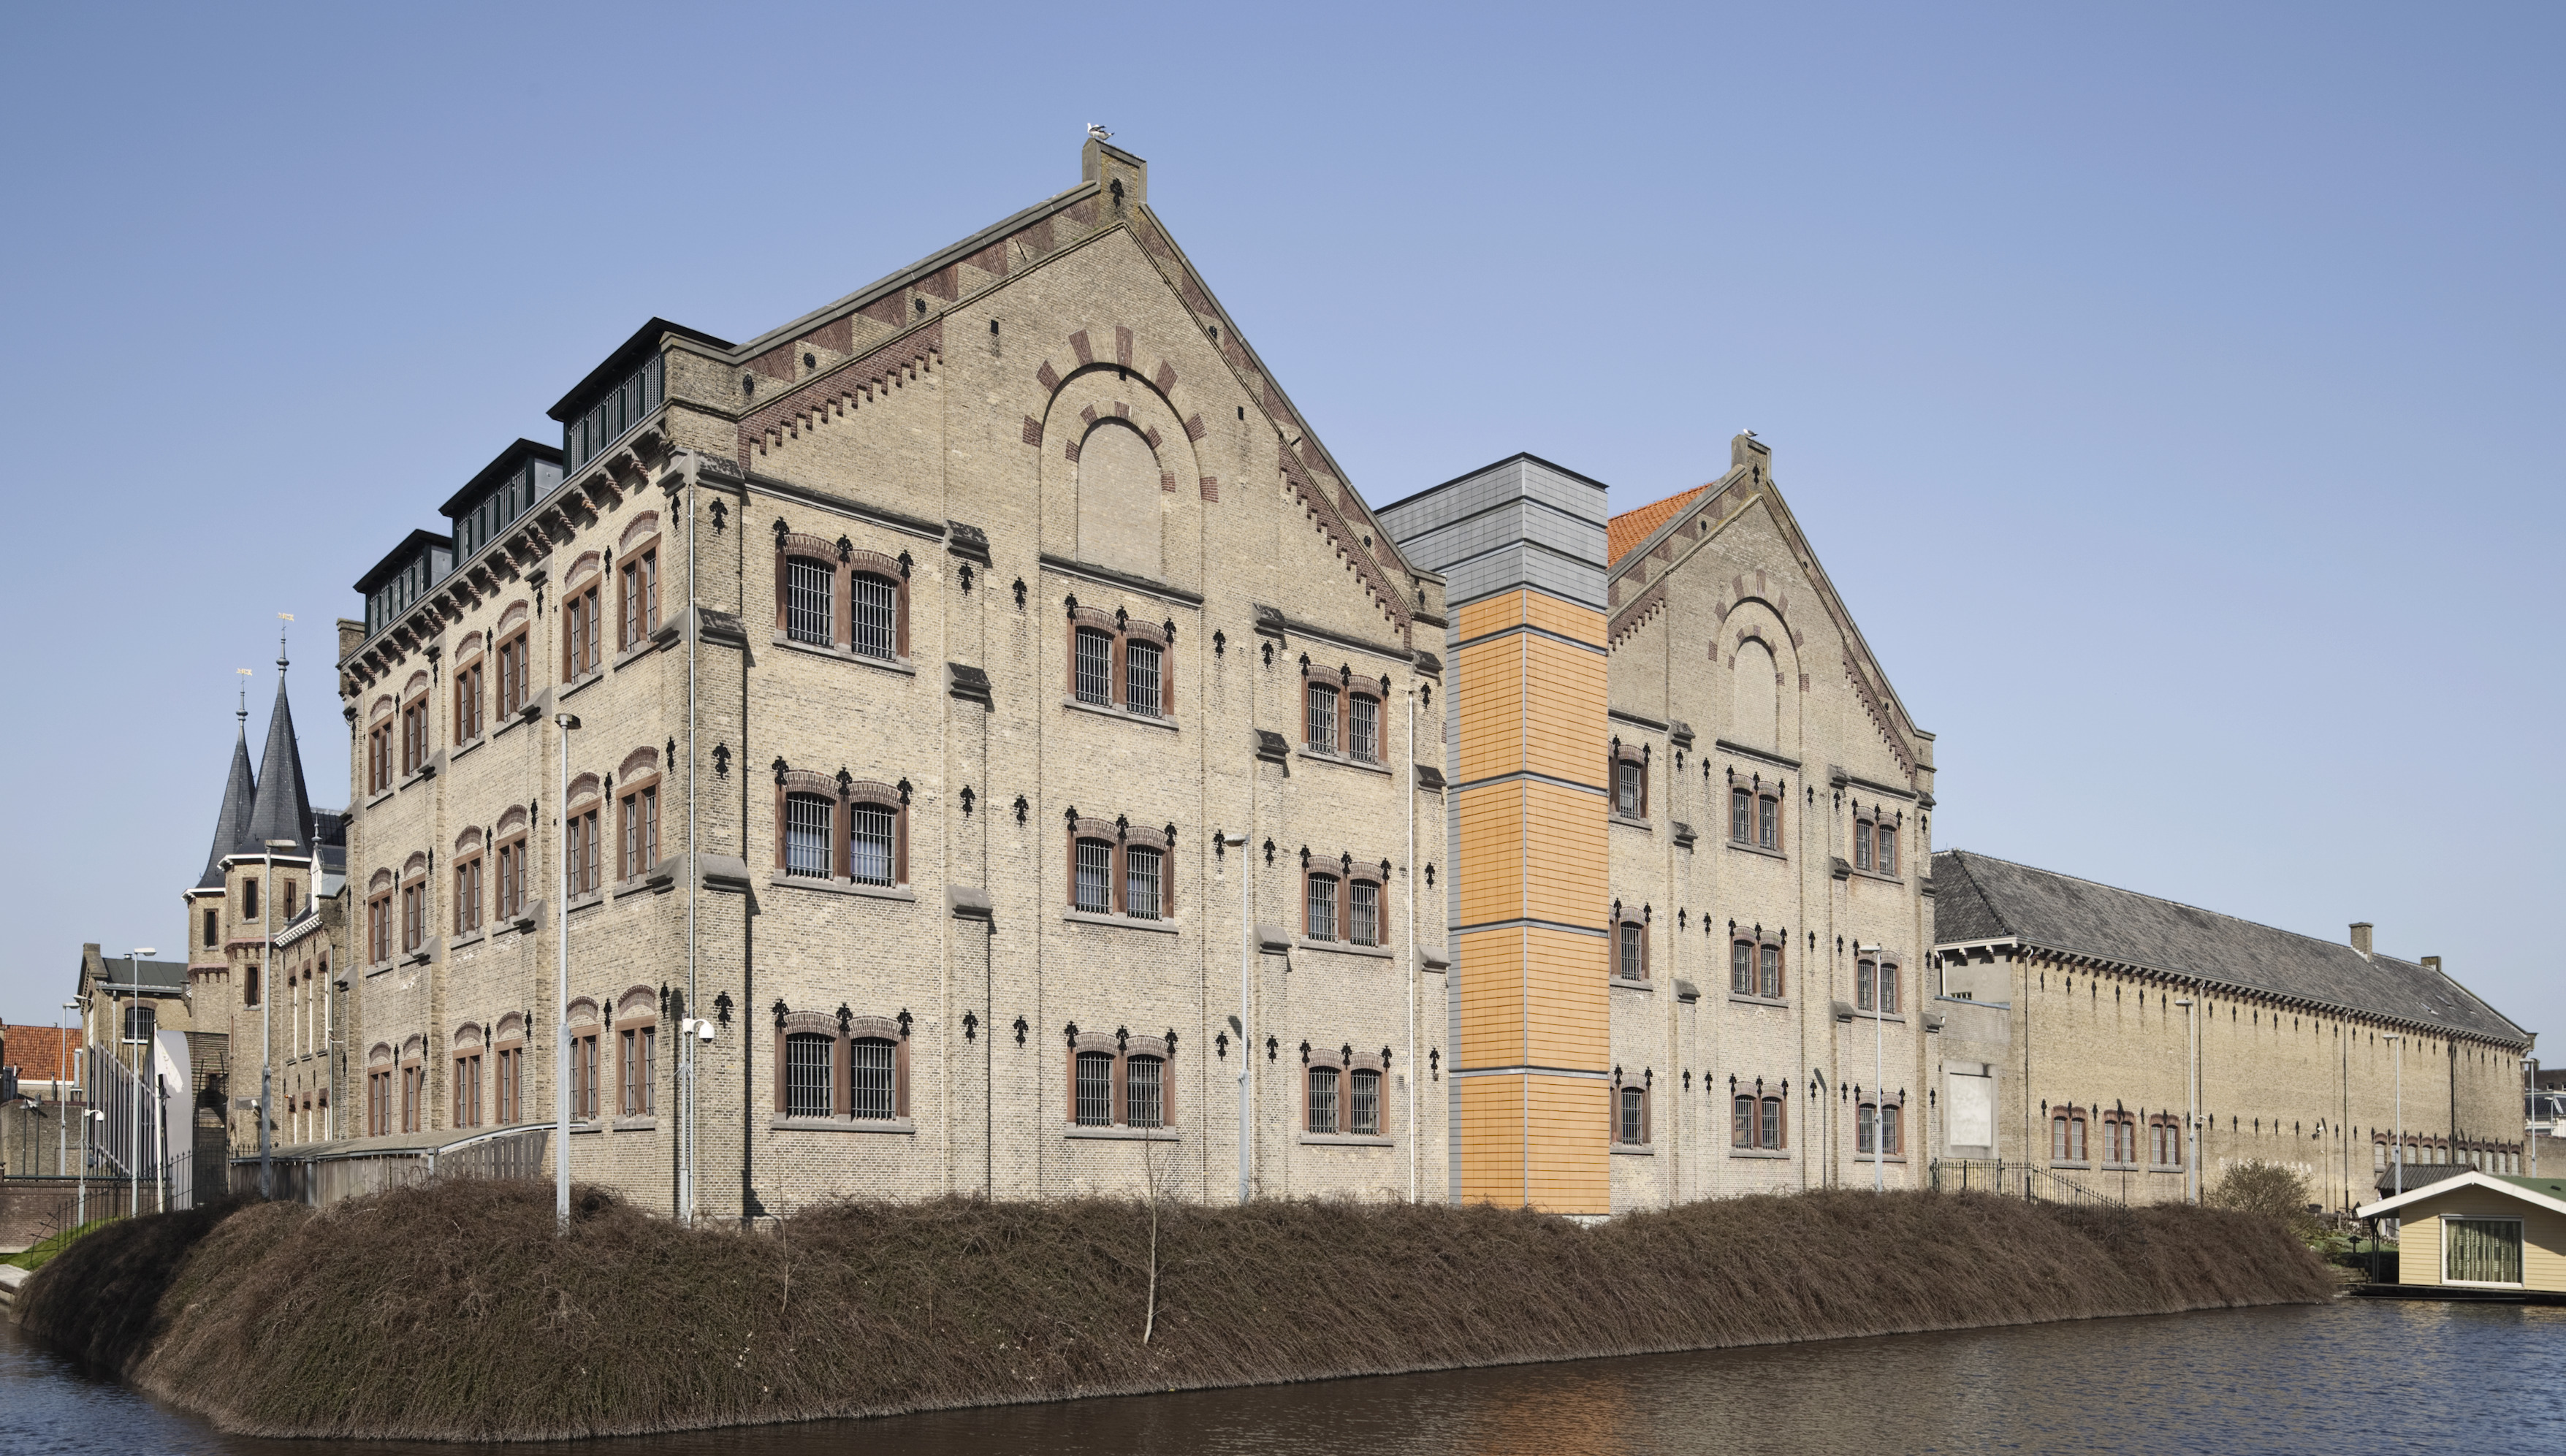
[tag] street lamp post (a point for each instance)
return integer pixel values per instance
(2190, 1101)
(568, 723)
(62, 1105)
(133, 1149)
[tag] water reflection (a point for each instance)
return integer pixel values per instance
(2345, 1377)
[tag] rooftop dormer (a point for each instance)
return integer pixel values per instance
(400, 578)
(504, 490)
(620, 393)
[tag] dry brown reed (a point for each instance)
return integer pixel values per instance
(453, 1311)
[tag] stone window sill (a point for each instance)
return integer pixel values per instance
(1758, 849)
(2117, 1167)
(467, 746)
(1125, 1134)
(2071, 1165)
(377, 801)
(1121, 922)
(1104, 710)
(468, 938)
(633, 654)
(1627, 821)
(1321, 755)
(1345, 1139)
(1774, 1154)
(588, 901)
(633, 886)
(377, 968)
(833, 652)
(1782, 1002)
(643, 1123)
(509, 722)
(1633, 1149)
(1864, 1158)
(587, 1125)
(419, 775)
(833, 885)
(1892, 1018)
(579, 684)
(1873, 874)
(899, 1125)
(1345, 947)
(1625, 983)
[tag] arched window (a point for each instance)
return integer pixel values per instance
(873, 846)
(1143, 879)
(1144, 1091)
(1142, 660)
(1324, 1084)
(872, 605)
(1874, 987)
(1755, 968)
(414, 901)
(810, 601)
(874, 1085)
(638, 592)
(1630, 942)
(467, 885)
(638, 822)
(1321, 723)
(2120, 1139)
(1365, 923)
(1630, 780)
(807, 845)
(1092, 890)
(1755, 1122)
(810, 1073)
(1095, 1089)
(584, 1032)
(2065, 1135)
(1095, 666)
(1886, 1126)
(1319, 920)
(2164, 1142)
(1362, 1101)
(467, 1077)
(1363, 727)
(636, 1055)
(1118, 489)
(1631, 1128)
(1755, 707)
(508, 1070)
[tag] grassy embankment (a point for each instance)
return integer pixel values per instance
(453, 1311)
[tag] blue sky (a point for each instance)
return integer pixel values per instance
(2172, 391)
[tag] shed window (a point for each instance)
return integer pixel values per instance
(2481, 1250)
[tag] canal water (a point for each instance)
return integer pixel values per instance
(2352, 1377)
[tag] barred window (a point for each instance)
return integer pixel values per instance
(1863, 1115)
(1862, 843)
(1769, 966)
(1095, 878)
(809, 611)
(1769, 1136)
(1140, 677)
(1363, 728)
(1095, 1089)
(809, 1074)
(870, 1070)
(1633, 934)
(869, 848)
(806, 834)
(1741, 968)
(1741, 815)
(1323, 718)
(1362, 912)
(1885, 860)
(875, 606)
(1095, 666)
(1145, 1099)
(1631, 1117)
(1322, 924)
(1625, 788)
(1889, 989)
(1889, 1137)
(1365, 1119)
(1864, 973)
(1140, 882)
(1323, 1100)
(1742, 1122)
(1768, 823)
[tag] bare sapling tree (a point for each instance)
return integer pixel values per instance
(1155, 1173)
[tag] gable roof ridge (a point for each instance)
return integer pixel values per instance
(2160, 900)
(935, 262)
(1159, 232)
(1835, 601)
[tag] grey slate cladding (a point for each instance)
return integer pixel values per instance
(1979, 898)
(1521, 522)
(231, 822)
(283, 809)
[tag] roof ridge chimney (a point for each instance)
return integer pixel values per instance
(2361, 937)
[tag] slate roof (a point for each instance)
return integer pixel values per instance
(231, 822)
(157, 978)
(1627, 531)
(283, 809)
(1976, 897)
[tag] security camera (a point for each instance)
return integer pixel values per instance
(703, 1031)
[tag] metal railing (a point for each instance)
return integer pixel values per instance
(2018, 1179)
(325, 1178)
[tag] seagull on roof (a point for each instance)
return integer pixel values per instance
(1098, 134)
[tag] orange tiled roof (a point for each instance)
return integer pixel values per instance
(41, 1054)
(1625, 532)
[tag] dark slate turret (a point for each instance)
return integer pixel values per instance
(240, 795)
(283, 811)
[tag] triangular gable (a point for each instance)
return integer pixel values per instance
(2516, 1188)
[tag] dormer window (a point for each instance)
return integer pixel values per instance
(626, 405)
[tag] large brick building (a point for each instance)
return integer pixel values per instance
(973, 735)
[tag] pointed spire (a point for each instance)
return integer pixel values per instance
(284, 809)
(240, 795)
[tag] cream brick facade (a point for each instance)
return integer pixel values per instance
(928, 434)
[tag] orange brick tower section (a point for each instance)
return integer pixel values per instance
(1522, 547)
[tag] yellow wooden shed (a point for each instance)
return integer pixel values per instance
(2480, 1232)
